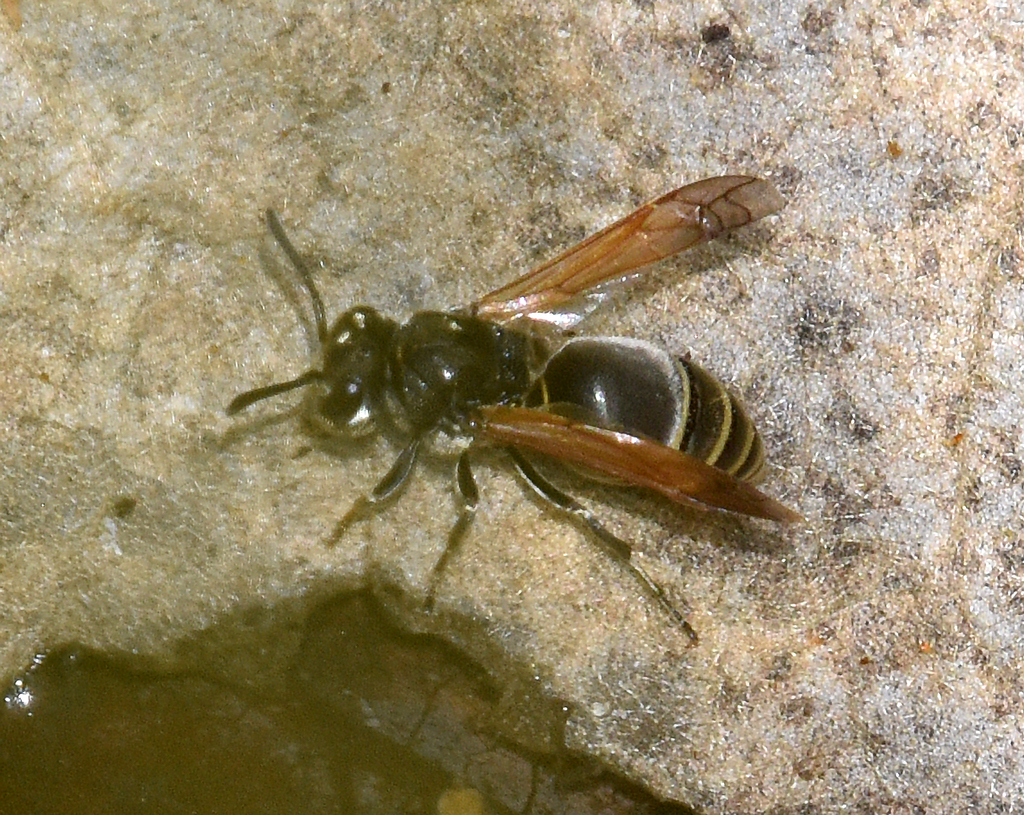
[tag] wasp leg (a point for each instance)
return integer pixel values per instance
(469, 497)
(616, 546)
(386, 488)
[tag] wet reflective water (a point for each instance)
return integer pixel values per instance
(371, 720)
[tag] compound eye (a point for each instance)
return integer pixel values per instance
(346, 409)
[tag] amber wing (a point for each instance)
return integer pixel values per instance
(636, 461)
(677, 221)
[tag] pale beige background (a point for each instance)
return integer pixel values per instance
(426, 152)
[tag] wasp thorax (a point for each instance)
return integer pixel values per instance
(445, 366)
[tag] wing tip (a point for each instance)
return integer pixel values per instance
(746, 499)
(759, 197)
(777, 511)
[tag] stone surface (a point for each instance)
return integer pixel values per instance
(427, 152)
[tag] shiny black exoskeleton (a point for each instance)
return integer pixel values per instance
(423, 377)
(639, 388)
(443, 366)
(618, 407)
(426, 375)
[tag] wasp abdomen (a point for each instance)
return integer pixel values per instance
(636, 387)
(718, 429)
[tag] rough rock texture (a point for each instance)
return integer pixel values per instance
(427, 152)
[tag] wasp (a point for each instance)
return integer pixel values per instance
(503, 371)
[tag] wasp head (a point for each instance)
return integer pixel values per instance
(354, 375)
